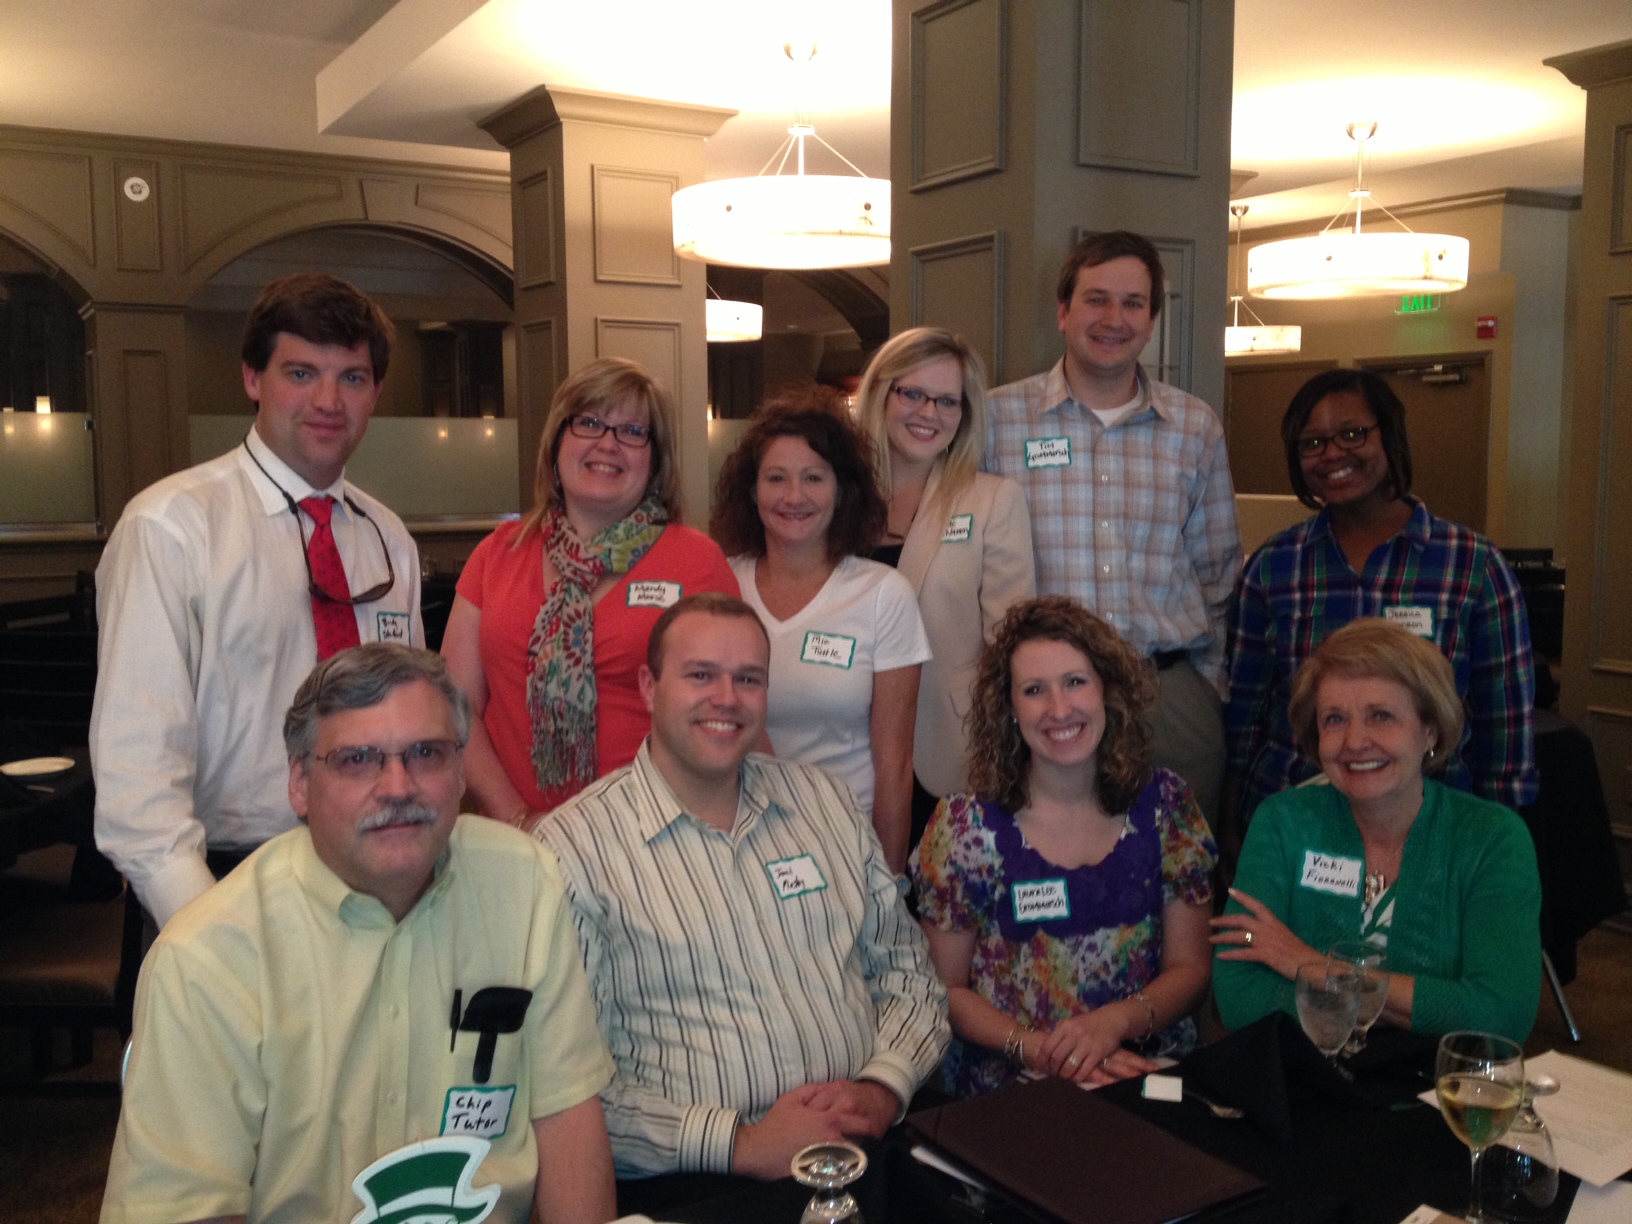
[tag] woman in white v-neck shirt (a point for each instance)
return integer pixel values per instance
(797, 508)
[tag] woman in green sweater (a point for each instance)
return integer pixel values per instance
(1444, 882)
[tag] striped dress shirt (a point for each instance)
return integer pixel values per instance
(730, 968)
(1137, 521)
(1299, 588)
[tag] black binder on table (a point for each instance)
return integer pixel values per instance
(1078, 1157)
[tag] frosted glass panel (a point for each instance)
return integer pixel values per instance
(47, 471)
(422, 467)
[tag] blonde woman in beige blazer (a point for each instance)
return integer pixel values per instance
(961, 537)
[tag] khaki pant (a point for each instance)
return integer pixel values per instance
(1189, 725)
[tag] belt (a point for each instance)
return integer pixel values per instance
(1165, 659)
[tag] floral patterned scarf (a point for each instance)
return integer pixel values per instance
(561, 651)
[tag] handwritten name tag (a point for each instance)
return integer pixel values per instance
(959, 529)
(794, 877)
(1041, 900)
(1329, 873)
(1048, 452)
(483, 1112)
(1417, 619)
(828, 649)
(653, 595)
(391, 627)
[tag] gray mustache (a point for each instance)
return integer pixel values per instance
(405, 811)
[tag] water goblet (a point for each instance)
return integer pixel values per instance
(1328, 999)
(828, 1169)
(1479, 1079)
(1371, 967)
(1520, 1175)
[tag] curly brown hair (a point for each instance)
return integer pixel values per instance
(818, 415)
(1000, 760)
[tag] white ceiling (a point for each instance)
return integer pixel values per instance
(1462, 99)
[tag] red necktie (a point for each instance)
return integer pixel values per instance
(335, 623)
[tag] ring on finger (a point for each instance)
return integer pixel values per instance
(1248, 939)
(1074, 1061)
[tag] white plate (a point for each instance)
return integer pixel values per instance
(37, 767)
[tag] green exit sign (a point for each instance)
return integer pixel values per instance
(1419, 303)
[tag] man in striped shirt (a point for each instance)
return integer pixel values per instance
(1132, 510)
(758, 980)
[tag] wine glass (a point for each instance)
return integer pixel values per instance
(828, 1168)
(1371, 967)
(1479, 1078)
(1520, 1177)
(1328, 998)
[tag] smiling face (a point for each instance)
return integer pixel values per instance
(1341, 477)
(603, 479)
(1108, 320)
(1372, 740)
(708, 701)
(1059, 702)
(313, 402)
(796, 493)
(920, 433)
(382, 835)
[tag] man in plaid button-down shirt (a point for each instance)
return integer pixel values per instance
(1132, 510)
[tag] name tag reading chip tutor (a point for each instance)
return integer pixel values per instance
(1331, 873)
(828, 649)
(653, 594)
(1048, 452)
(1041, 901)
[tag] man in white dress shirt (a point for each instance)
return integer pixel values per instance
(757, 977)
(220, 588)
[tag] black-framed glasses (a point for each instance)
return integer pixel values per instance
(365, 762)
(375, 592)
(629, 433)
(918, 397)
(1352, 438)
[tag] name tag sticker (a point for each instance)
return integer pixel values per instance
(391, 627)
(1048, 452)
(828, 649)
(653, 595)
(1331, 874)
(483, 1112)
(1041, 901)
(794, 877)
(1417, 619)
(959, 529)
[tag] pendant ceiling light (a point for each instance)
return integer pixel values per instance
(777, 220)
(732, 322)
(1357, 264)
(1260, 337)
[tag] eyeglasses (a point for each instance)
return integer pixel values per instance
(1352, 438)
(364, 762)
(918, 398)
(377, 591)
(630, 433)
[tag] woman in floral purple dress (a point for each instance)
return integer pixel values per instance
(1065, 901)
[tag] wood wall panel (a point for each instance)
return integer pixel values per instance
(634, 226)
(218, 202)
(1612, 589)
(1620, 206)
(55, 191)
(1611, 731)
(535, 214)
(538, 361)
(1146, 54)
(136, 222)
(485, 208)
(958, 284)
(655, 343)
(959, 91)
(145, 386)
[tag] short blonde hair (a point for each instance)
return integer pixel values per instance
(597, 388)
(1375, 649)
(897, 358)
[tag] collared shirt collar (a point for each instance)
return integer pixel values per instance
(1417, 530)
(354, 908)
(1059, 393)
(279, 474)
(663, 807)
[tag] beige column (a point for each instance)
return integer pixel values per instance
(1597, 679)
(595, 268)
(1015, 128)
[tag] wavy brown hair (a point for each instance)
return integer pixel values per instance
(999, 758)
(817, 415)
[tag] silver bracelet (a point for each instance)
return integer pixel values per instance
(1150, 1025)
(1014, 1044)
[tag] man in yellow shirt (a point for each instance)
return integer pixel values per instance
(382, 1008)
